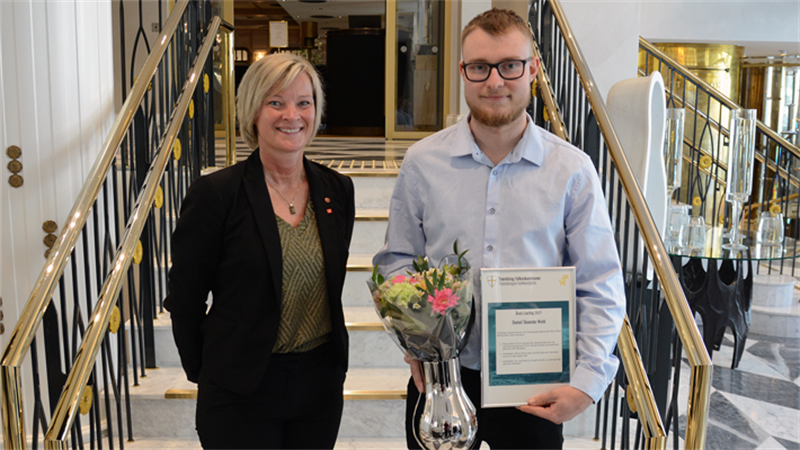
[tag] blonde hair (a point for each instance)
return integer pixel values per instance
(496, 22)
(268, 76)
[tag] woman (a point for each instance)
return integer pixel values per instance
(268, 238)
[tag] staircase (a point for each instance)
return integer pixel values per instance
(375, 390)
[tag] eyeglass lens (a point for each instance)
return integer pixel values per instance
(509, 70)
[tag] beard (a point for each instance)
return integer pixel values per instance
(496, 120)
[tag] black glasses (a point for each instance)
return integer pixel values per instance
(508, 70)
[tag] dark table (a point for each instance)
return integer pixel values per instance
(722, 291)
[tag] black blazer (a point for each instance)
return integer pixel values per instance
(226, 242)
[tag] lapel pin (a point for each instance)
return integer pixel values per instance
(330, 211)
(327, 200)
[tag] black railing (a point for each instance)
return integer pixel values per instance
(66, 293)
(653, 295)
(776, 173)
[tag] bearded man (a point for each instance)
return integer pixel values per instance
(515, 196)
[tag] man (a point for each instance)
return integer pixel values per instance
(515, 196)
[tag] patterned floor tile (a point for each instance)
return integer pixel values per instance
(777, 421)
(789, 445)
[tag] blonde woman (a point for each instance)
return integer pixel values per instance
(269, 239)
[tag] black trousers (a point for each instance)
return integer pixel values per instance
(501, 428)
(298, 405)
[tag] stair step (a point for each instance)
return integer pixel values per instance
(361, 384)
(359, 262)
(373, 189)
(369, 234)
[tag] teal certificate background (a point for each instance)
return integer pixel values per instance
(529, 378)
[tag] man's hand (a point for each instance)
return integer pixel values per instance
(416, 373)
(558, 405)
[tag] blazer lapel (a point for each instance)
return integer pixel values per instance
(257, 194)
(326, 225)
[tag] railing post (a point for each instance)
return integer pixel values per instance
(228, 94)
(14, 422)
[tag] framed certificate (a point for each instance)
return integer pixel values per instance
(528, 333)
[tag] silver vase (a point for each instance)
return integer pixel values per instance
(448, 418)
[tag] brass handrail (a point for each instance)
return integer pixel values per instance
(638, 383)
(548, 97)
(25, 330)
(67, 407)
(719, 96)
(228, 106)
(700, 361)
(641, 392)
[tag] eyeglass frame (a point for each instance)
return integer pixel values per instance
(496, 66)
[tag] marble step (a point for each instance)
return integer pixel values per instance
(373, 189)
(775, 309)
(369, 230)
(163, 404)
(370, 345)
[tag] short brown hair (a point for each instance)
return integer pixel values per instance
(269, 76)
(496, 22)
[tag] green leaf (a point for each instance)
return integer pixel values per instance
(375, 273)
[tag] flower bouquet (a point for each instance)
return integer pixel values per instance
(428, 314)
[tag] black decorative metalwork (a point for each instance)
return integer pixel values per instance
(132, 349)
(649, 315)
(776, 180)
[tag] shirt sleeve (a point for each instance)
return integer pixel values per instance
(405, 234)
(600, 290)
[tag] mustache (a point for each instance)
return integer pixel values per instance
(495, 92)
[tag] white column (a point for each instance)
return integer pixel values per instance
(56, 104)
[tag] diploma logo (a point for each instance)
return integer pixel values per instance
(492, 280)
(563, 280)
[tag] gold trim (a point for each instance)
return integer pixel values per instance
(639, 393)
(348, 394)
(390, 66)
(228, 95)
(371, 217)
(359, 268)
(184, 394)
(446, 54)
(368, 172)
(393, 394)
(363, 326)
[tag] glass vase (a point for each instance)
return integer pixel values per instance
(741, 152)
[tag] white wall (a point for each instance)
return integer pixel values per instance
(608, 30)
(56, 103)
(763, 27)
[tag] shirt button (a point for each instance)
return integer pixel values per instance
(494, 172)
(489, 248)
(491, 210)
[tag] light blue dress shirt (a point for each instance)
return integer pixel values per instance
(542, 206)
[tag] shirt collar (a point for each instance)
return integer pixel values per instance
(528, 148)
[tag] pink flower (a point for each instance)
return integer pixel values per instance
(444, 299)
(399, 279)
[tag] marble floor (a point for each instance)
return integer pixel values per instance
(757, 405)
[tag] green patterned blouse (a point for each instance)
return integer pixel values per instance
(305, 317)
